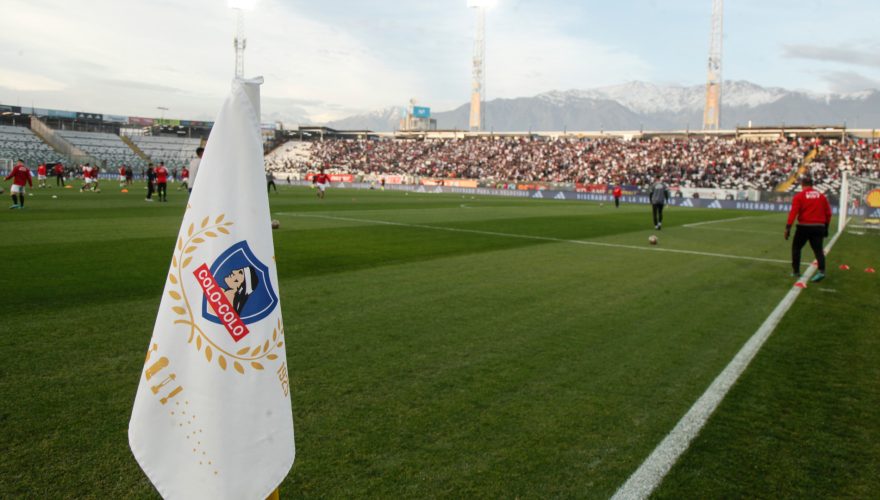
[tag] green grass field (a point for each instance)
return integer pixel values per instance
(458, 347)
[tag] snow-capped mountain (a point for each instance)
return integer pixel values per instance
(643, 97)
(640, 105)
(381, 120)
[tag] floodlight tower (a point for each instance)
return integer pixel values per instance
(240, 42)
(712, 111)
(478, 82)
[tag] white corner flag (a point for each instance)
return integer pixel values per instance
(212, 415)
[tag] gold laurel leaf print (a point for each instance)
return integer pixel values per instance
(205, 221)
(221, 361)
(179, 310)
(243, 351)
(199, 343)
(190, 249)
(173, 279)
(174, 261)
(174, 295)
(223, 230)
(179, 243)
(279, 344)
(189, 232)
(256, 351)
(274, 335)
(256, 365)
(266, 346)
(210, 234)
(219, 219)
(198, 240)
(208, 352)
(187, 261)
(238, 367)
(272, 357)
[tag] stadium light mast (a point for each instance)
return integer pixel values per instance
(478, 81)
(240, 41)
(712, 111)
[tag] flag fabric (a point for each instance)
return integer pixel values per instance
(212, 416)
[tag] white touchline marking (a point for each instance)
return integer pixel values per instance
(729, 229)
(695, 224)
(650, 474)
(542, 238)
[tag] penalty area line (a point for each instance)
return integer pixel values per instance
(539, 238)
(653, 470)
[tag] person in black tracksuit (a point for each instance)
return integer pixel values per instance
(151, 182)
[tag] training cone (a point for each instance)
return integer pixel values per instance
(844, 267)
(124, 191)
(800, 284)
(68, 187)
(870, 270)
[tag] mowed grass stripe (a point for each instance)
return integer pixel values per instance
(424, 364)
(413, 378)
(804, 420)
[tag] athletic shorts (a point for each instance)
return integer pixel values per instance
(88, 180)
(121, 177)
(41, 177)
(322, 186)
(15, 189)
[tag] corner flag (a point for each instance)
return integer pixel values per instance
(212, 415)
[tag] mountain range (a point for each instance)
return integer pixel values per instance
(647, 106)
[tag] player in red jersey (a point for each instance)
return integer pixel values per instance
(162, 181)
(58, 170)
(813, 214)
(19, 175)
(617, 193)
(321, 180)
(184, 179)
(87, 177)
(122, 175)
(41, 175)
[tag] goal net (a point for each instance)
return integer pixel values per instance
(859, 203)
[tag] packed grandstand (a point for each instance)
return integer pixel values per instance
(726, 163)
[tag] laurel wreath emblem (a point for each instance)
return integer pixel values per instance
(248, 356)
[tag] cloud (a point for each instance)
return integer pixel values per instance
(845, 82)
(23, 81)
(553, 56)
(868, 56)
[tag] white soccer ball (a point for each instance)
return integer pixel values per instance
(276, 224)
(54, 196)
(652, 239)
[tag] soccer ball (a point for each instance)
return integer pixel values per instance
(652, 239)
(54, 196)
(276, 224)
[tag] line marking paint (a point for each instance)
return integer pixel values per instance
(650, 474)
(539, 238)
(695, 224)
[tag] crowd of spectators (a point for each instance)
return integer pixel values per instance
(859, 157)
(697, 162)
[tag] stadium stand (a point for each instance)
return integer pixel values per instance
(20, 142)
(291, 157)
(104, 147)
(172, 150)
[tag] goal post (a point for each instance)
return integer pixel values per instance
(859, 203)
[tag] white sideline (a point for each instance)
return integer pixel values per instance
(695, 224)
(650, 474)
(542, 238)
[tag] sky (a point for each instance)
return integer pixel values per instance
(325, 60)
